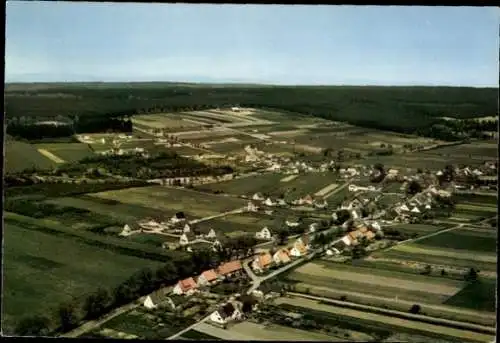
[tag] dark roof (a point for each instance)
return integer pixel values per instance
(180, 215)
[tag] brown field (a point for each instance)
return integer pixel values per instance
(447, 288)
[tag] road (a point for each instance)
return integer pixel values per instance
(238, 210)
(411, 240)
(191, 327)
(411, 316)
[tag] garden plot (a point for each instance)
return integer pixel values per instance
(20, 156)
(171, 200)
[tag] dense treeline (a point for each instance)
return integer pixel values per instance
(401, 109)
(160, 165)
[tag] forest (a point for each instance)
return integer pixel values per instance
(399, 109)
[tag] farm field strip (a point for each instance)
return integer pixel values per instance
(434, 310)
(51, 156)
(20, 156)
(460, 239)
(383, 319)
(247, 331)
(483, 208)
(405, 282)
(452, 253)
(289, 178)
(327, 189)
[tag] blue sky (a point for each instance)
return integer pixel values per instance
(64, 41)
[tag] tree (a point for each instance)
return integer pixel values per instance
(96, 304)
(282, 236)
(415, 309)
(413, 187)
(36, 325)
(443, 272)
(68, 316)
(471, 275)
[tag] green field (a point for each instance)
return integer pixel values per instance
(20, 156)
(386, 283)
(123, 212)
(247, 185)
(237, 224)
(69, 152)
(43, 270)
(420, 229)
(479, 295)
(171, 200)
(462, 239)
(473, 150)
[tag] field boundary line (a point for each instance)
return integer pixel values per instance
(51, 156)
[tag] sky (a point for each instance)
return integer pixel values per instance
(272, 44)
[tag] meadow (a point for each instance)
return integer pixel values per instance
(240, 224)
(171, 200)
(58, 268)
(68, 152)
(20, 156)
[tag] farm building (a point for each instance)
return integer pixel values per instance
(129, 228)
(298, 249)
(269, 202)
(265, 233)
(252, 207)
(185, 287)
(258, 197)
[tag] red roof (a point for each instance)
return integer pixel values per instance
(209, 275)
(265, 260)
(229, 267)
(187, 284)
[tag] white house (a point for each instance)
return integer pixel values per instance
(156, 298)
(415, 210)
(251, 207)
(281, 257)
(211, 234)
(187, 286)
(292, 223)
(187, 238)
(376, 226)
(404, 207)
(265, 233)
(269, 202)
(354, 215)
(258, 197)
(428, 206)
(225, 314)
(186, 228)
(313, 227)
(346, 240)
(329, 252)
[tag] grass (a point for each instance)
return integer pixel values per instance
(420, 229)
(20, 156)
(457, 240)
(151, 239)
(171, 200)
(246, 186)
(479, 295)
(42, 270)
(69, 152)
(196, 335)
(242, 223)
(122, 212)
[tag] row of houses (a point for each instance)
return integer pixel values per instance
(266, 260)
(191, 285)
(259, 199)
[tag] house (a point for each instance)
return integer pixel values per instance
(262, 262)
(187, 286)
(292, 223)
(415, 209)
(187, 238)
(281, 202)
(208, 277)
(329, 252)
(321, 203)
(404, 207)
(258, 197)
(369, 235)
(269, 202)
(313, 227)
(129, 228)
(346, 240)
(186, 228)
(353, 188)
(252, 207)
(281, 257)
(307, 200)
(265, 233)
(375, 226)
(298, 249)
(428, 206)
(154, 299)
(304, 239)
(229, 269)
(225, 314)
